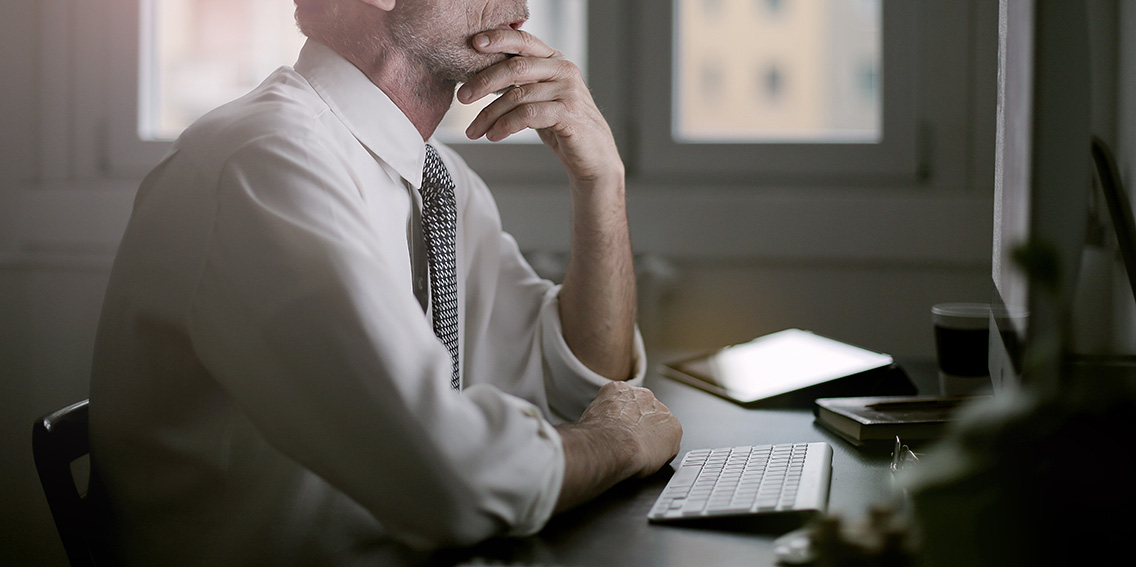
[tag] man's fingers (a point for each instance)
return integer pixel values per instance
(526, 106)
(512, 42)
(514, 72)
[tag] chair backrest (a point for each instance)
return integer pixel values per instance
(58, 439)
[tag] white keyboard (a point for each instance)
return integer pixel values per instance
(744, 481)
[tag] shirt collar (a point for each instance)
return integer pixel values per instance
(365, 109)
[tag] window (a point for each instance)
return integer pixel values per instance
(772, 6)
(810, 58)
(200, 54)
(798, 92)
(772, 86)
(754, 92)
(710, 83)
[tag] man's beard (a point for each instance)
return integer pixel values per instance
(447, 58)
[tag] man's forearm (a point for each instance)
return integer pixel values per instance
(547, 93)
(594, 461)
(598, 299)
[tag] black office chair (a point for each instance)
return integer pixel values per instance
(58, 439)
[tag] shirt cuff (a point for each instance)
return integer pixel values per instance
(540, 511)
(570, 384)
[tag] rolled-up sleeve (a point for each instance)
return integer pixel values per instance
(571, 384)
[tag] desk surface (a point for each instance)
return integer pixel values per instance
(613, 529)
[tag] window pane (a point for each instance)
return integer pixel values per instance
(199, 54)
(561, 24)
(777, 71)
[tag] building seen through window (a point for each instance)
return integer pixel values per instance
(817, 64)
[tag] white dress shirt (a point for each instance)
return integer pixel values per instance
(267, 388)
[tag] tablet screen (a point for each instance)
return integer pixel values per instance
(775, 364)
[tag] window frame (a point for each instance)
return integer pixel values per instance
(127, 153)
(893, 159)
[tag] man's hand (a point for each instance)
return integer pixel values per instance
(647, 430)
(545, 92)
(625, 432)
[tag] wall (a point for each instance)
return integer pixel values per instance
(863, 265)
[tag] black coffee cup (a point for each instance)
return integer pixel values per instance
(962, 343)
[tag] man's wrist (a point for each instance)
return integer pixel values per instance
(596, 457)
(611, 450)
(609, 176)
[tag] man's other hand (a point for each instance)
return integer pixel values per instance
(649, 433)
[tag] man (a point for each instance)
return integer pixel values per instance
(284, 373)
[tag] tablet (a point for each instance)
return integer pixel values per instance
(775, 364)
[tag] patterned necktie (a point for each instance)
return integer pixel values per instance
(440, 221)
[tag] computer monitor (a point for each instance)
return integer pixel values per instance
(1043, 179)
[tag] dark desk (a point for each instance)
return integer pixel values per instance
(613, 529)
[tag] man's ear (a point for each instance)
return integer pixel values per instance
(384, 5)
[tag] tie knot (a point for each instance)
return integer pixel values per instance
(433, 160)
(435, 178)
